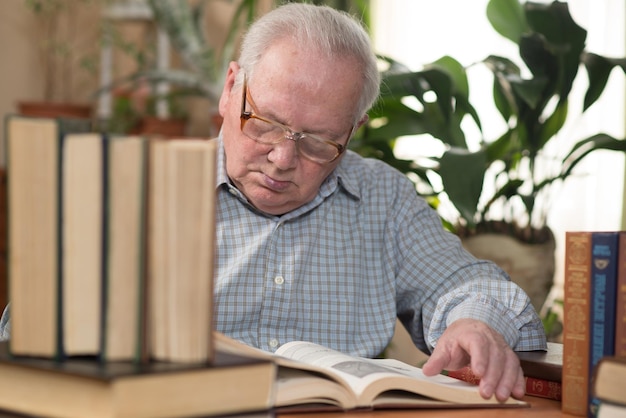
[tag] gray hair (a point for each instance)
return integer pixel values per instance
(331, 31)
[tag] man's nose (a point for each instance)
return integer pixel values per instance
(285, 154)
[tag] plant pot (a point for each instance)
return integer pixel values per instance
(54, 109)
(169, 128)
(531, 266)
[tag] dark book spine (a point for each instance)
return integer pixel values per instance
(104, 265)
(620, 304)
(60, 349)
(604, 247)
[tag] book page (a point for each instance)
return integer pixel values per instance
(230, 345)
(366, 382)
(369, 378)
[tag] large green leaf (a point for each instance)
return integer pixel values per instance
(507, 18)
(462, 173)
(456, 72)
(539, 57)
(503, 69)
(582, 148)
(565, 37)
(598, 70)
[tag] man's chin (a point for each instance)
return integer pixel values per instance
(272, 204)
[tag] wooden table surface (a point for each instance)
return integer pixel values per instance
(539, 407)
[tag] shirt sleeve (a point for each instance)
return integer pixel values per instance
(499, 303)
(439, 282)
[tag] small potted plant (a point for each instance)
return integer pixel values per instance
(61, 51)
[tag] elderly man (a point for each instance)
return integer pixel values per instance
(317, 243)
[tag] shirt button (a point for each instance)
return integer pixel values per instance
(279, 280)
(273, 343)
(232, 191)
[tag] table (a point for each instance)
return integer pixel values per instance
(539, 407)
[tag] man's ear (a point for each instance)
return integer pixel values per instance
(233, 69)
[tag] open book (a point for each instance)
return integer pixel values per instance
(311, 375)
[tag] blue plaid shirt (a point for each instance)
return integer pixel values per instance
(338, 270)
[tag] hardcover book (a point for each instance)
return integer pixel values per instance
(181, 241)
(123, 336)
(608, 380)
(604, 250)
(542, 372)
(81, 229)
(620, 303)
(575, 380)
(86, 388)
(34, 171)
(312, 377)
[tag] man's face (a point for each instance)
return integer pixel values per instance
(304, 91)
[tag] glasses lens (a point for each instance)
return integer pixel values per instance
(317, 149)
(311, 147)
(262, 131)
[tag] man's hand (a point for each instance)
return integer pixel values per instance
(472, 342)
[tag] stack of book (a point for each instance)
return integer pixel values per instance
(594, 313)
(608, 387)
(111, 243)
(110, 278)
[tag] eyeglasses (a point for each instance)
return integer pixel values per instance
(269, 132)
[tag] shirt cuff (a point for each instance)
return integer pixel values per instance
(492, 313)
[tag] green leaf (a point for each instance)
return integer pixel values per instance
(503, 69)
(462, 174)
(507, 18)
(554, 123)
(565, 38)
(529, 91)
(539, 57)
(598, 70)
(500, 148)
(456, 72)
(588, 145)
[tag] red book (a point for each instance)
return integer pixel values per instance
(542, 372)
(534, 386)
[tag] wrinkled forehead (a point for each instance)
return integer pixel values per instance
(309, 76)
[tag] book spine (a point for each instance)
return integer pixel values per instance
(543, 388)
(104, 265)
(465, 374)
(604, 246)
(575, 379)
(620, 308)
(535, 386)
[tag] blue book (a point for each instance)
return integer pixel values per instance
(602, 307)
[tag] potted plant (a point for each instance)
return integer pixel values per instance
(134, 111)
(203, 64)
(61, 55)
(502, 185)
